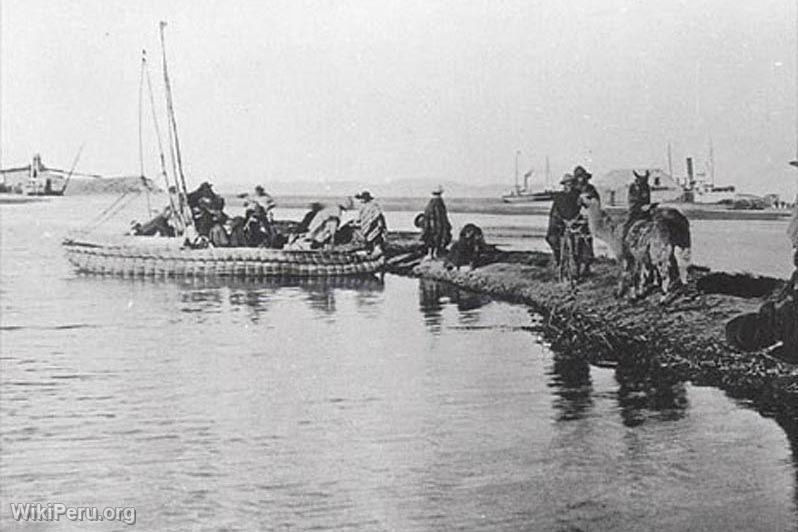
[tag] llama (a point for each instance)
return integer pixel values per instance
(649, 249)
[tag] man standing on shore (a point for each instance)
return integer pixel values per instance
(436, 229)
(564, 207)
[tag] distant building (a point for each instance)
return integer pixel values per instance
(34, 179)
(614, 186)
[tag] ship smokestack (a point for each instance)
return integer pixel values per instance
(689, 171)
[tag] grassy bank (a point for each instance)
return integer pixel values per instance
(685, 338)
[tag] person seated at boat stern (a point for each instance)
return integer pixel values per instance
(565, 207)
(587, 191)
(436, 228)
(161, 225)
(259, 229)
(207, 210)
(370, 222)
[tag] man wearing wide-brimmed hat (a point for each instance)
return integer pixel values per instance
(436, 228)
(371, 221)
(582, 178)
(564, 207)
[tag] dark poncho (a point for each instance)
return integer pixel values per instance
(437, 231)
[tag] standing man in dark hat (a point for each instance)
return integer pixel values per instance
(586, 189)
(564, 207)
(582, 178)
(436, 229)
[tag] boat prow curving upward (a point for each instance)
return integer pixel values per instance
(141, 256)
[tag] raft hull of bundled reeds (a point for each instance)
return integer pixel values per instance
(165, 257)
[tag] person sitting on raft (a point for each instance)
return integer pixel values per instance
(321, 228)
(370, 222)
(161, 225)
(207, 211)
(565, 207)
(303, 226)
(436, 230)
(259, 223)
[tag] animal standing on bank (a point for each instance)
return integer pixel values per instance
(656, 248)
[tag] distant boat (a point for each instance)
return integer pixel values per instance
(701, 188)
(708, 193)
(35, 179)
(524, 196)
(527, 195)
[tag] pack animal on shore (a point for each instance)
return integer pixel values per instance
(651, 251)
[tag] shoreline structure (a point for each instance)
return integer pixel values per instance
(682, 340)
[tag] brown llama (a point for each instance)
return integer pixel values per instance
(651, 250)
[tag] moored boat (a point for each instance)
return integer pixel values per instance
(141, 256)
(179, 255)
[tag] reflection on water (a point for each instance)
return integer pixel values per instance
(648, 391)
(358, 404)
(434, 295)
(569, 379)
(211, 295)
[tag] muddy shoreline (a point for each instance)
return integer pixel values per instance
(683, 340)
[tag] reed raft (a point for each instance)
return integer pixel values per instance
(132, 256)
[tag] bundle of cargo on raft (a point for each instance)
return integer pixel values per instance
(136, 256)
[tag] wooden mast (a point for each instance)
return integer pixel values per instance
(174, 142)
(173, 202)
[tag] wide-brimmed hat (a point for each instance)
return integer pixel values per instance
(567, 178)
(579, 171)
(437, 191)
(364, 196)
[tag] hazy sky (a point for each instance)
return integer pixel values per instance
(374, 90)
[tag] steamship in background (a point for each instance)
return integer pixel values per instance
(526, 194)
(696, 187)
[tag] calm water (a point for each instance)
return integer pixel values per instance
(352, 405)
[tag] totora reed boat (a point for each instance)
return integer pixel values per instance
(141, 256)
(153, 256)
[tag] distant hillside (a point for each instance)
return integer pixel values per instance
(392, 189)
(111, 185)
